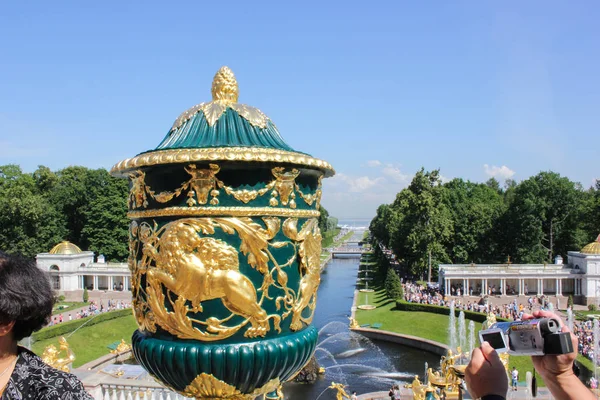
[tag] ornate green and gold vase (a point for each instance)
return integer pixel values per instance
(225, 251)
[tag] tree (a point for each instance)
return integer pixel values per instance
(475, 208)
(106, 228)
(393, 286)
(323, 217)
(29, 223)
(543, 218)
(421, 223)
(86, 295)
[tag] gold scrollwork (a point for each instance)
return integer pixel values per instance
(208, 387)
(197, 268)
(311, 198)
(309, 252)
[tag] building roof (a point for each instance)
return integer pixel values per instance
(65, 247)
(592, 248)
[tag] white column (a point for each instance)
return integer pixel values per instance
(95, 282)
(126, 283)
(483, 289)
(82, 282)
(467, 288)
(520, 287)
(541, 286)
(503, 286)
(110, 282)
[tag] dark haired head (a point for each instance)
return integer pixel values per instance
(25, 295)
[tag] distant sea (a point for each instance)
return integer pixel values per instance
(355, 222)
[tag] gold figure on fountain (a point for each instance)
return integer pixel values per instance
(353, 324)
(420, 391)
(121, 348)
(53, 357)
(341, 391)
(449, 379)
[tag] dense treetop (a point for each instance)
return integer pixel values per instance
(87, 207)
(462, 222)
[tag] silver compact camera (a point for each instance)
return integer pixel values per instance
(534, 337)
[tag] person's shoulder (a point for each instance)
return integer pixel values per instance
(50, 383)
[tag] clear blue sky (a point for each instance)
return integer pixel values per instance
(379, 89)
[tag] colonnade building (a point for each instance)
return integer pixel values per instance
(579, 277)
(71, 269)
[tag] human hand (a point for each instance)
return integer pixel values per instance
(485, 373)
(553, 366)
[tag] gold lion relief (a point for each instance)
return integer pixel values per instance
(182, 258)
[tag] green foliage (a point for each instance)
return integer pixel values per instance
(107, 223)
(86, 295)
(69, 326)
(38, 210)
(323, 216)
(463, 222)
(421, 223)
(29, 222)
(393, 286)
(60, 298)
(327, 238)
(592, 307)
(570, 302)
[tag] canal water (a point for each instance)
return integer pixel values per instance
(349, 358)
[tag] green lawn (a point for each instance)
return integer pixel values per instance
(89, 343)
(65, 306)
(422, 324)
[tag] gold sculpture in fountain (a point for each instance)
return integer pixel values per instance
(420, 391)
(353, 324)
(55, 358)
(489, 321)
(449, 378)
(121, 348)
(341, 391)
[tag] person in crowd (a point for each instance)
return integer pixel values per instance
(26, 302)
(486, 378)
(514, 374)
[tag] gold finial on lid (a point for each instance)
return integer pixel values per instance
(225, 86)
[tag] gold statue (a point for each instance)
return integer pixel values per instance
(121, 348)
(51, 355)
(490, 320)
(353, 323)
(420, 391)
(341, 392)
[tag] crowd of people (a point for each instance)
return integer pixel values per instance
(431, 294)
(92, 309)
